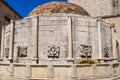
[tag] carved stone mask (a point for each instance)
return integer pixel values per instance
(53, 51)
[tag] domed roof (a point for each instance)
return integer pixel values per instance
(58, 7)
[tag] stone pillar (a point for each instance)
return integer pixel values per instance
(28, 71)
(113, 41)
(11, 40)
(50, 72)
(99, 39)
(73, 72)
(2, 42)
(35, 38)
(69, 27)
(94, 66)
(11, 71)
(111, 69)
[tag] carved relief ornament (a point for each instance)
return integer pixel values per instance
(106, 52)
(22, 51)
(86, 50)
(53, 51)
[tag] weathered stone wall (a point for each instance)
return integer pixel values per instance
(34, 37)
(106, 37)
(7, 40)
(23, 37)
(53, 31)
(115, 21)
(60, 72)
(6, 15)
(85, 32)
(109, 10)
(99, 7)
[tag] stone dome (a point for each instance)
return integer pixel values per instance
(58, 7)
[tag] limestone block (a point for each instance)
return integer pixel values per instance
(63, 48)
(45, 39)
(44, 23)
(61, 72)
(17, 26)
(52, 18)
(46, 33)
(82, 28)
(42, 51)
(52, 61)
(30, 50)
(82, 18)
(58, 27)
(29, 22)
(4, 72)
(39, 71)
(83, 37)
(60, 36)
(42, 43)
(96, 9)
(93, 19)
(93, 24)
(62, 18)
(17, 22)
(84, 71)
(46, 28)
(103, 70)
(58, 22)
(63, 54)
(115, 69)
(82, 23)
(24, 22)
(94, 42)
(76, 50)
(63, 43)
(20, 71)
(7, 39)
(42, 18)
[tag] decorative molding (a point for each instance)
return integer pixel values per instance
(22, 51)
(53, 51)
(106, 52)
(85, 50)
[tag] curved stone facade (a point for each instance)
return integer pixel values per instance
(58, 42)
(41, 46)
(58, 37)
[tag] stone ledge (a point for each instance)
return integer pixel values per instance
(38, 79)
